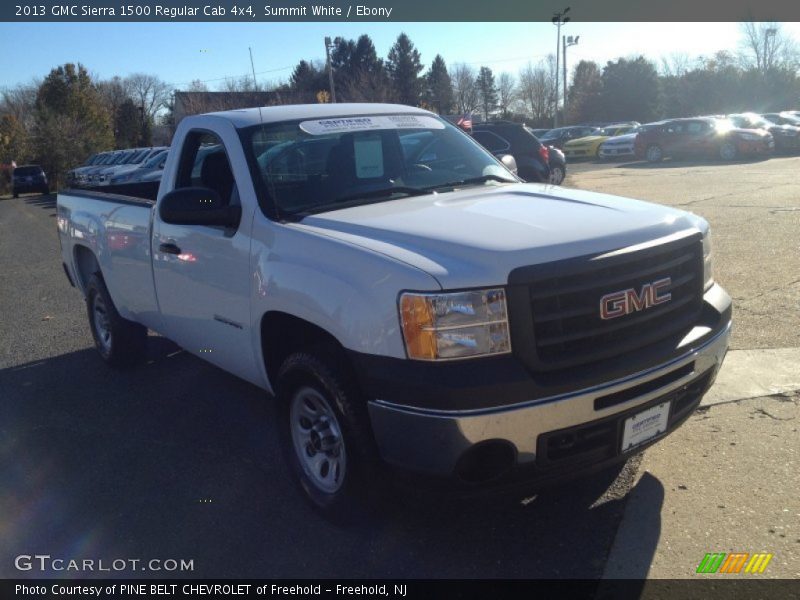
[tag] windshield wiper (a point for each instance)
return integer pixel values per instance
(471, 181)
(408, 191)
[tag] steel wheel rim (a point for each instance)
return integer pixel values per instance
(654, 153)
(317, 440)
(102, 325)
(556, 175)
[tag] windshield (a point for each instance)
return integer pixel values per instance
(27, 171)
(306, 167)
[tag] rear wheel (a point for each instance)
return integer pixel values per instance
(654, 153)
(120, 342)
(557, 174)
(325, 434)
(728, 151)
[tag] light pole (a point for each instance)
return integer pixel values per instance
(567, 42)
(328, 46)
(558, 20)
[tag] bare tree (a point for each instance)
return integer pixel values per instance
(765, 46)
(506, 90)
(676, 64)
(197, 86)
(148, 92)
(19, 101)
(243, 83)
(465, 91)
(536, 88)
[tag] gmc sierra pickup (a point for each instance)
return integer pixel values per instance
(404, 297)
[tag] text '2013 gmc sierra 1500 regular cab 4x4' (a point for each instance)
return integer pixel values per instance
(407, 300)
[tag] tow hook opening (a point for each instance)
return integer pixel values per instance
(486, 461)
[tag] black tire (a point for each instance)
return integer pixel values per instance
(120, 342)
(324, 372)
(46, 191)
(16, 194)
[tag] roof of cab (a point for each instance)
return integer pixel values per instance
(291, 112)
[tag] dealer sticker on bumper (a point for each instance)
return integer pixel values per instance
(645, 426)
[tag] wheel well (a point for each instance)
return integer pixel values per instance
(85, 264)
(291, 334)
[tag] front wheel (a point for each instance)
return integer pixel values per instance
(325, 434)
(120, 342)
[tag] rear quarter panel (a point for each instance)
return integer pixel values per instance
(118, 235)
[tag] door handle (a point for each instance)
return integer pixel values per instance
(169, 248)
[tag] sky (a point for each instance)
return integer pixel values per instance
(182, 52)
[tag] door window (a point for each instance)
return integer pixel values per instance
(491, 141)
(204, 163)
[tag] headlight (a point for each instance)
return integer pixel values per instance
(455, 325)
(708, 275)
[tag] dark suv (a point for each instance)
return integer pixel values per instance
(29, 178)
(535, 161)
(706, 137)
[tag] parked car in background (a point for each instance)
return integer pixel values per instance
(506, 137)
(787, 137)
(27, 179)
(86, 175)
(136, 175)
(701, 137)
(539, 133)
(77, 176)
(622, 146)
(589, 145)
(535, 161)
(560, 136)
(131, 158)
(104, 178)
(782, 118)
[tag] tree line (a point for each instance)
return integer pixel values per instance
(68, 115)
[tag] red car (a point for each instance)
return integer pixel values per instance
(706, 137)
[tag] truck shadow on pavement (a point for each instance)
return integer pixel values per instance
(44, 201)
(176, 459)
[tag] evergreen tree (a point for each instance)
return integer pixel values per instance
(404, 66)
(439, 87)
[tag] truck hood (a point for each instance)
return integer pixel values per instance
(476, 236)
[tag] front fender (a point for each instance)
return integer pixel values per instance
(349, 291)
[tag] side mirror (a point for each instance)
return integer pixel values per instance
(198, 206)
(509, 162)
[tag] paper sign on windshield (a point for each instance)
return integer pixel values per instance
(367, 123)
(368, 156)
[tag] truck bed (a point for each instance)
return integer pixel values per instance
(115, 228)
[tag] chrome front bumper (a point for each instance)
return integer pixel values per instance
(432, 441)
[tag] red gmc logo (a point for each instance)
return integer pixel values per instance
(625, 302)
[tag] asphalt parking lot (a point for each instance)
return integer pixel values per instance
(177, 459)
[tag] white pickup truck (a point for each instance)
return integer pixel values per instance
(404, 297)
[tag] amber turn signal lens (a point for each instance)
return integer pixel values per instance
(416, 315)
